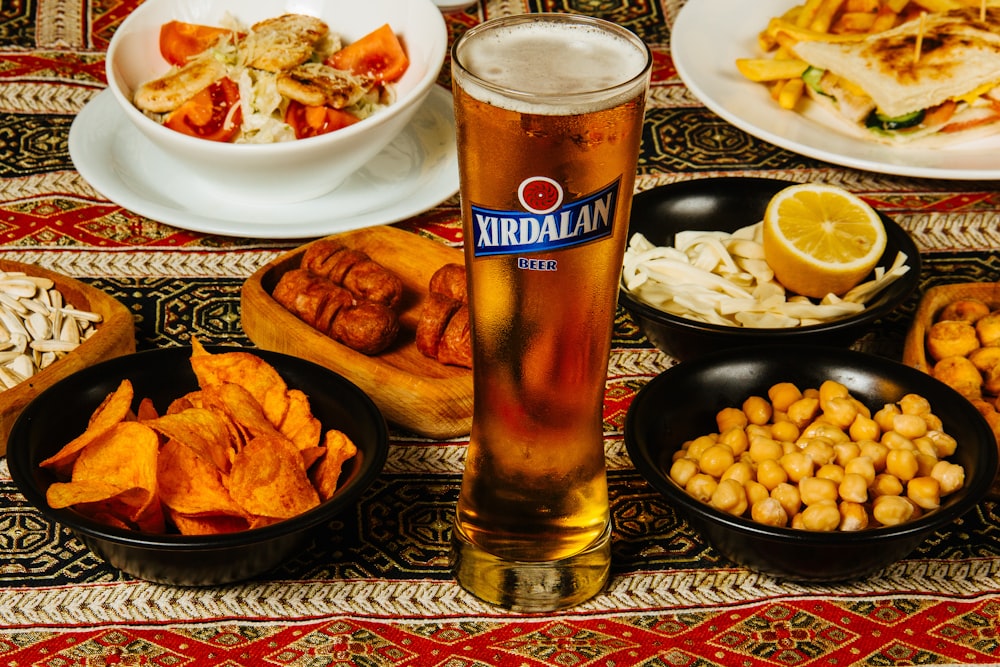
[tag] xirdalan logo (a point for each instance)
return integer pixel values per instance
(546, 223)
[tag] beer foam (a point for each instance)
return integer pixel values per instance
(562, 61)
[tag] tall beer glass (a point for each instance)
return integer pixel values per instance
(549, 111)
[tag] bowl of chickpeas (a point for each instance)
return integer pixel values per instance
(810, 463)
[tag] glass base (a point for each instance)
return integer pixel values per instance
(531, 586)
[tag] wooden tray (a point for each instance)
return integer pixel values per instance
(114, 337)
(412, 390)
(933, 301)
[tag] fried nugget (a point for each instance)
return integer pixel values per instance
(968, 310)
(961, 375)
(988, 329)
(951, 338)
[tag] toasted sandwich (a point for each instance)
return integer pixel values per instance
(930, 81)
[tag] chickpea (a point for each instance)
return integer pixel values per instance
(797, 465)
(864, 428)
(885, 485)
(701, 486)
(736, 439)
(831, 389)
(826, 430)
(863, 467)
(728, 418)
(729, 497)
(755, 491)
(902, 463)
(926, 446)
(885, 416)
(789, 497)
(783, 395)
(716, 459)
(785, 431)
(762, 449)
(840, 410)
(892, 510)
(741, 471)
(862, 408)
(845, 451)
(950, 476)
(933, 422)
(876, 451)
(758, 431)
(925, 492)
(853, 488)
(853, 516)
(820, 450)
(796, 522)
(909, 426)
(697, 446)
(821, 517)
(803, 411)
(831, 471)
(944, 444)
(895, 440)
(683, 470)
(815, 490)
(771, 474)
(925, 463)
(914, 404)
(757, 410)
(769, 512)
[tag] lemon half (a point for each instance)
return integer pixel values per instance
(820, 239)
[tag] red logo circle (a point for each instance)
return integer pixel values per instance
(539, 194)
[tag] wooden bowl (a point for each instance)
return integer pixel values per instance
(413, 391)
(114, 337)
(931, 304)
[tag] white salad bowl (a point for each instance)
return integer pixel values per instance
(289, 171)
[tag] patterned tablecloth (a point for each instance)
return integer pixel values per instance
(376, 590)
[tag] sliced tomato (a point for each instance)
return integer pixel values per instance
(213, 113)
(309, 121)
(179, 41)
(378, 55)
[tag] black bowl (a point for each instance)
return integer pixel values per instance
(61, 412)
(681, 403)
(727, 204)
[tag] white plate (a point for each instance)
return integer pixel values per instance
(414, 173)
(707, 38)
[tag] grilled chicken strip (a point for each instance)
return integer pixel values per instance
(316, 84)
(284, 42)
(173, 89)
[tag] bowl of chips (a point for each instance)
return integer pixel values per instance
(686, 327)
(197, 465)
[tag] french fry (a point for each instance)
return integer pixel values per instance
(885, 19)
(854, 22)
(791, 93)
(934, 6)
(808, 13)
(770, 69)
(825, 15)
(777, 25)
(896, 6)
(867, 6)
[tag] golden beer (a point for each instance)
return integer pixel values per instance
(549, 113)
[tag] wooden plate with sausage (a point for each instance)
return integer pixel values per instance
(412, 390)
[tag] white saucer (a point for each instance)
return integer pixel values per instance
(414, 173)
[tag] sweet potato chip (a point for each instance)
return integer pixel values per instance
(299, 424)
(112, 410)
(208, 524)
(269, 479)
(325, 474)
(248, 371)
(190, 484)
(146, 410)
(204, 431)
(240, 406)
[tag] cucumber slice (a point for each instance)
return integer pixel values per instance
(878, 121)
(811, 76)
